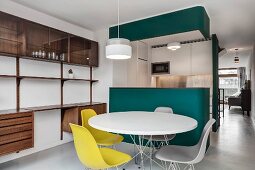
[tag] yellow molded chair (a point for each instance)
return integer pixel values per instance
(93, 157)
(102, 138)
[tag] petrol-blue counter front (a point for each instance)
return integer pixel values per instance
(192, 102)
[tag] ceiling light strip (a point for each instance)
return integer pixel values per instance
(183, 42)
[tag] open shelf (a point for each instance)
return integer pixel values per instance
(64, 106)
(40, 59)
(77, 79)
(38, 77)
(12, 111)
(47, 78)
(8, 76)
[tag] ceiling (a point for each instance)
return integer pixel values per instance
(227, 60)
(231, 20)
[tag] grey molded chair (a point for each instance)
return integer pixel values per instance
(189, 155)
(162, 138)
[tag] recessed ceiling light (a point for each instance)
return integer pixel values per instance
(174, 46)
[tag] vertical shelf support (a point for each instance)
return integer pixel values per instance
(61, 100)
(62, 83)
(91, 85)
(17, 84)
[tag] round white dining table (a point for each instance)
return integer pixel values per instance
(143, 123)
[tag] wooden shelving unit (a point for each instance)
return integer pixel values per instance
(22, 39)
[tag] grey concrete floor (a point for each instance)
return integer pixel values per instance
(232, 148)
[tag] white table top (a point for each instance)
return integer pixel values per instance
(143, 123)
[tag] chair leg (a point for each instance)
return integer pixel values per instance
(173, 166)
(190, 167)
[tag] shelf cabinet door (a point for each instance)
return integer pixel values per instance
(83, 51)
(9, 42)
(79, 50)
(58, 43)
(93, 54)
(37, 38)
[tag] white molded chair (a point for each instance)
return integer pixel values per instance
(162, 138)
(186, 154)
(164, 109)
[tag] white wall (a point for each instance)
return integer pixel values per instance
(46, 92)
(104, 73)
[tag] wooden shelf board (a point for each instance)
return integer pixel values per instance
(40, 59)
(64, 106)
(75, 79)
(46, 78)
(43, 108)
(8, 76)
(75, 64)
(35, 77)
(44, 60)
(48, 47)
(12, 111)
(49, 107)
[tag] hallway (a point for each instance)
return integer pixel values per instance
(232, 148)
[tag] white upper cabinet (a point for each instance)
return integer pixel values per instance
(190, 59)
(180, 63)
(142, 50)
(202, 58)
(134, 71)
(160, 55)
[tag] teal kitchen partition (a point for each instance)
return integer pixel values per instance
(192, 102)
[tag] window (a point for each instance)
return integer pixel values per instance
(228, 81)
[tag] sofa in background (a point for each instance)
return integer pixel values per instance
(242, 99)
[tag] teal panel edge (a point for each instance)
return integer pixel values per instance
(186, 20)
(215, 54)
(147, 99)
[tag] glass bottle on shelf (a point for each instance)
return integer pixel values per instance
(36, 54)
(40, 54)
(62, 57)
(53, 55)
(49, 55)
(43, 54)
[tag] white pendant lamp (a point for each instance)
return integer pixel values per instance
(174, 46)
(118, 48)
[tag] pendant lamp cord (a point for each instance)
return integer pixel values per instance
(118, 18)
